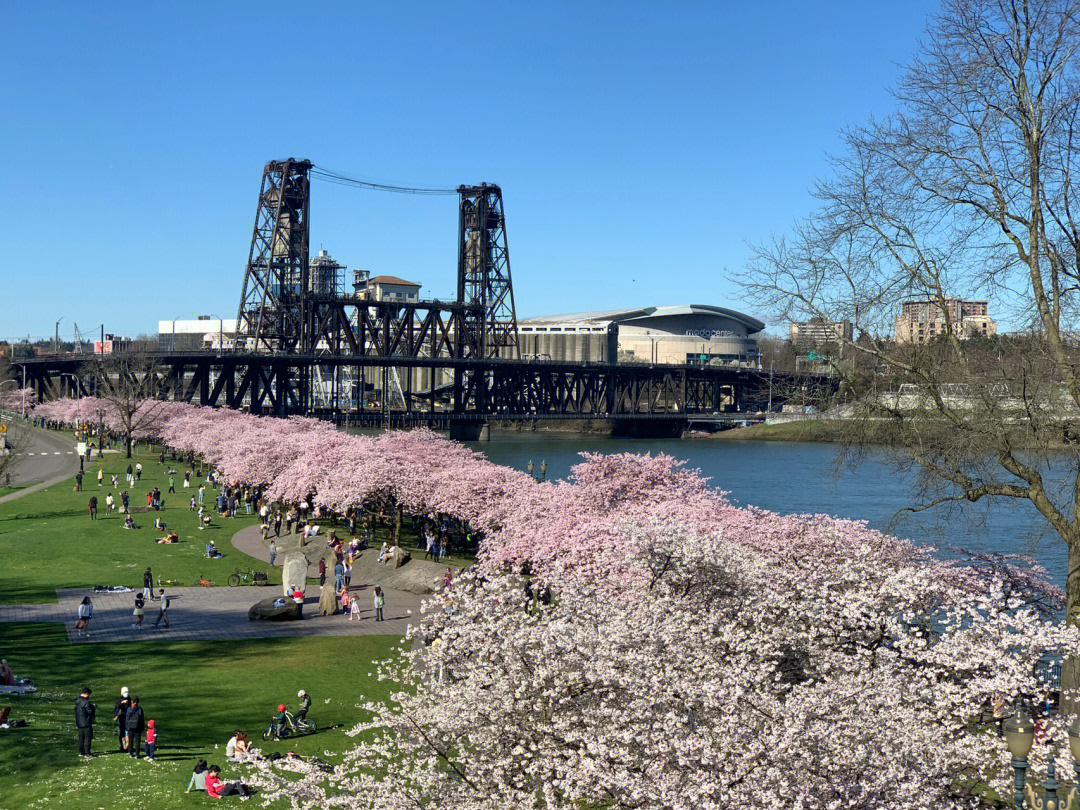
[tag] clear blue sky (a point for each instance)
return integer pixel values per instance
(638, 145)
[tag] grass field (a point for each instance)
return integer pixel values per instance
(197, 692)
(806, 430)
(47, 540)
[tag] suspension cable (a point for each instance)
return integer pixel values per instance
(337, 178)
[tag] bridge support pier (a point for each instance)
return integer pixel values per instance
(648, 428)
(470, 431)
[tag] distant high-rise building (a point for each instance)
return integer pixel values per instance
(921, 320)
(817, 331)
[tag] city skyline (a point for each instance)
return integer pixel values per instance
(639, 171)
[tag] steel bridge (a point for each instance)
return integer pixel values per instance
(305, 347)
(478, 390)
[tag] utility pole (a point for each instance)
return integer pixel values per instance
(770, 385)
(56, 339)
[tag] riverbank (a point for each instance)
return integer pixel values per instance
(800, 430)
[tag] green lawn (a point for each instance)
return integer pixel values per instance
(47, 540)
(197, 693)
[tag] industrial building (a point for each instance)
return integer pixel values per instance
(689, 333)
(819, 331)
(196, 334)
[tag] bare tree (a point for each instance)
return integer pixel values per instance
(965, 191)
(129, 383)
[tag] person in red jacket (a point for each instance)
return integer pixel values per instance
(215, 788)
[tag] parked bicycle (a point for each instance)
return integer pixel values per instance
(292, 727)
(247, 576)
(206, 583)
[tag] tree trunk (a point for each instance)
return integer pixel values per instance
(397, 525)
(127, 444)
(1070, 668)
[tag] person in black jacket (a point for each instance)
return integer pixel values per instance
(135, 722)
(123, 703)
(85, 712)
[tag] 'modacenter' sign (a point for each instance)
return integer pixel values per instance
(709, 333)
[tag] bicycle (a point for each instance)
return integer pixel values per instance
(169, 583)
(247, 577)
(206, 583)
(292, 726)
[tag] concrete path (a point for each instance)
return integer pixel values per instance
(218, 613)
(47, 458)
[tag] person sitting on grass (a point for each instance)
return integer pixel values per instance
(129, 523)
(7, 677)
(212, 551)
(159, 524)
(198, 777)
(215, 788)
(171, 537)
(237, 748)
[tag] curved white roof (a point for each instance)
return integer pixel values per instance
(628, 315)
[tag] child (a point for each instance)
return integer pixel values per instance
(354, 610)
(346, 600)
(151, 739)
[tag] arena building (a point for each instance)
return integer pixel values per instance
(691, 333)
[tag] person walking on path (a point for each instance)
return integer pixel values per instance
(110, 503)
(84, 612)
(139, 612)
(277, 523)
(339, 576)
(273, 552)
(85, 713)
(130, 472)
(100, 476)
(78, 481)
(172, 485)
(148, 584)
(346, 602)
(123, 703)
(163, 609)
(138, 471)
(125, 499)
(200, 495)
(135, 722)
(91, 507)
(379, 600)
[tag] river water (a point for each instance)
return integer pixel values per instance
(800, 477)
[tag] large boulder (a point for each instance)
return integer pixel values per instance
(328, 599)
(294, 569)
(275, 609)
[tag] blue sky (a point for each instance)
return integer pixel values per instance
(639, 146)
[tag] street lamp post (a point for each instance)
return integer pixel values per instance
(1019, 736)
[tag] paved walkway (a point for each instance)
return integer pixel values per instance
(218, 613)
(49, 458)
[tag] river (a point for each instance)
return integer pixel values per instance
(799, 477)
